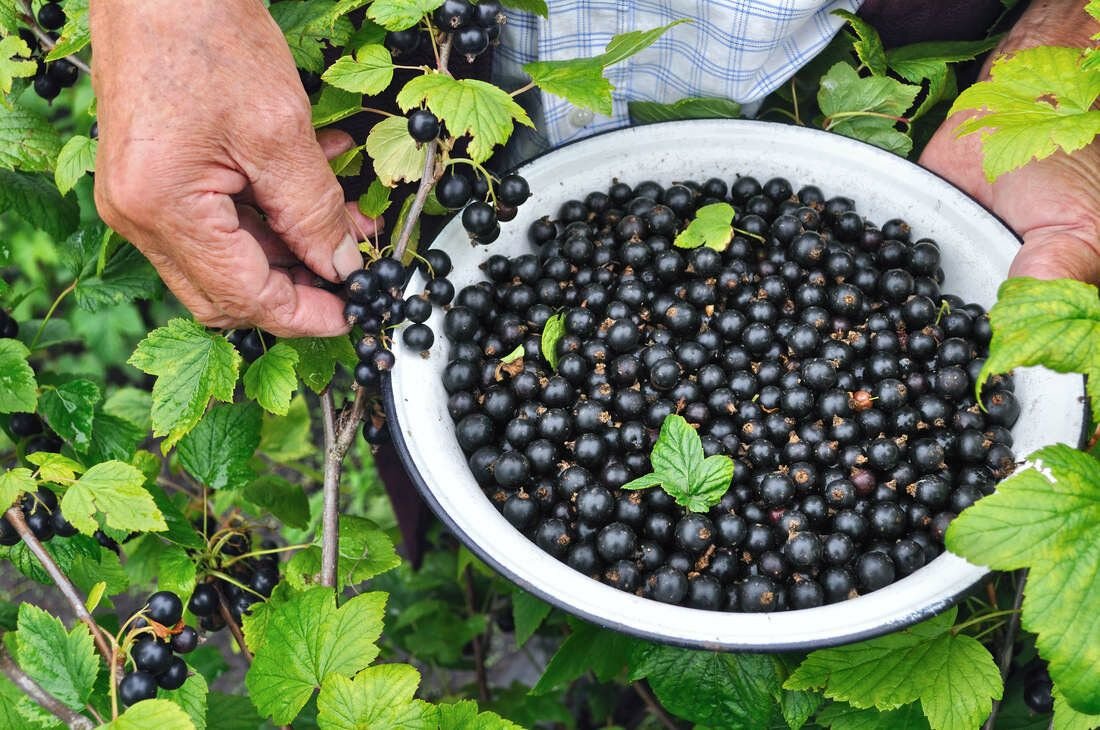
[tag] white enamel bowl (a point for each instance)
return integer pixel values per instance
(977, 250)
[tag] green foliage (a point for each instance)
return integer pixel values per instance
(18, 388)
(695, 482)
(117, 491)
(34, 198)
(1037, 101)
(552, 332)
(14, 61)
(271, 380)
(528, 613)
(318, 358)
(866, 44)
(76, 157)
(588, 649)
(75, 34)
(69, 409)
(375, 201)
(866, 108)
(648, 112)
(218, 450)
(62, 662)
(27, 140)
(192, 699)
(368, 72)
(158, 713)
(380, 696)
(712, 227)
(400, 14)
(364, 552)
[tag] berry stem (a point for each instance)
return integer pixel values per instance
(653, 706)
(47, 42)
(526, 87)
(338, 439)
(32, 689)
(15, 517)
(1004, 661)
(234, 629)
(49, 313)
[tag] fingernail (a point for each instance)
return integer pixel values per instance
(347, 257)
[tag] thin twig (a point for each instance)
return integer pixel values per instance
(338, 439)
(1010, 639)
(31, 688)
(233, 627)
(44, 38)
(479, 650)
(654, 706)
(15, 517)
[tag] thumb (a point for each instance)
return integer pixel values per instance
(304, 204)
(1058, 252)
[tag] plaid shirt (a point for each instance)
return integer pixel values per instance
(733, 49)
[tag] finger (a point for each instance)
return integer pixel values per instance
(190, 295)
(1056, 253)
(277, 252)
(334, 142)
(363, 226)
(290, 306)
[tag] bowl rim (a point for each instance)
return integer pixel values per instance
(910, 618)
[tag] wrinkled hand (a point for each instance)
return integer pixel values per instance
(203, 122)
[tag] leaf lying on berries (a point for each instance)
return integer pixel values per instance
(552, 331)
(712, 227)
(696, 483)
(1043, 518)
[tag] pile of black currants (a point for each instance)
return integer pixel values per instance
(159, 635)
(254, 578)
(42, 514)
(51, 77)
(816, 349)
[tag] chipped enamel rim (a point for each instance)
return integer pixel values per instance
(977, 249)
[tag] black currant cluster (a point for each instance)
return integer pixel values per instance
(43, 516)
(471, 28)
(53, 76)
(254, 578)
(159, 635)
(9, 327)
(485, 209)
(816, 350)
(1038, 689)
(251, 343)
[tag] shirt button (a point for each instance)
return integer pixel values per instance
(580, 118)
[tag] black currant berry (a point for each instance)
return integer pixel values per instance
(137, 686)
(151, 655)
(423, 126)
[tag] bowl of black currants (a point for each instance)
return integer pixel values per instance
(721, 393)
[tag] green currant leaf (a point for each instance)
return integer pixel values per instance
(307, 24)
(528, 613)
(63, 662)
(712, 227)
(335, 104)
(1042, 518)
(11, 19)
(552, 332)
(288, 438)
(516, 354)
(116, 490)
(64, 551)
(34, 199)
(106, 571)
(465, 716)
(271, 380)
(27, 140)
(370, 71)
(679, 467)
(538, 7)
(953, 676)
(468, 106)
(132, 405)
(379, 696)
(218, 450)
(309, 638)
(126, 276)
(867, 44)
(841, 716)
(175, 570)
(76, 157)
(722, 690)
(113, 438)
(54, 467)
(1037, 101)
(14, 482)
(191, 698)
(376, 200)
(865, 108)
(1055, 324)
(285, 500)
(158, 713)
(798, 707)
(648, 112)
(318, 357)
(365, 551)
(192, 366)
(15, 61)
(18, 388)
(587, 649)
(180, 530)
(1067, 718)
(915, 61)
(69, 409)
(396, 155)
(75, 34)
(400, 14)
(226, 711)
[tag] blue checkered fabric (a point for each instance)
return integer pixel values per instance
(733, 49)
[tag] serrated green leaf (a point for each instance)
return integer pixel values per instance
(396, 156)
(333, 105)
(192, 366)
(75, 34)
(841, 716)
(34, 199)
(63, 663)
(116, 490)
(156, 713)
(231, 712)
(712, 227)
(648, 112)
(76, 157)
(271, 379)
(1037, 101)
(15, 61)
(867, 45)
(528, 613)
(318, 357)
(400, 14)
(18, 388)
(365, 551)
(679, 467)
(1055, 324)
(64, 551)
(514, 355)
(306, 24)
(191, 698)
(54, 467)
(864, 108)
(370, 71)
(113, 438)
(587, 648)
(798, 707)
(538, 7)
(468, 106)
(286, 501)
(552, 332)
(723, 690)
(953, 676)
(132, 405)
(14, 482)
(465, 716)
(1067, 718)
(69, 409)
(376, 200)
(309, 638)
(27, 140)
(180, 530)
(218, 450)
(175, 571)
(288, 438)
(380, 696)
(1042, 517)
(127, 276)
(909, 61)
(87, 572)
